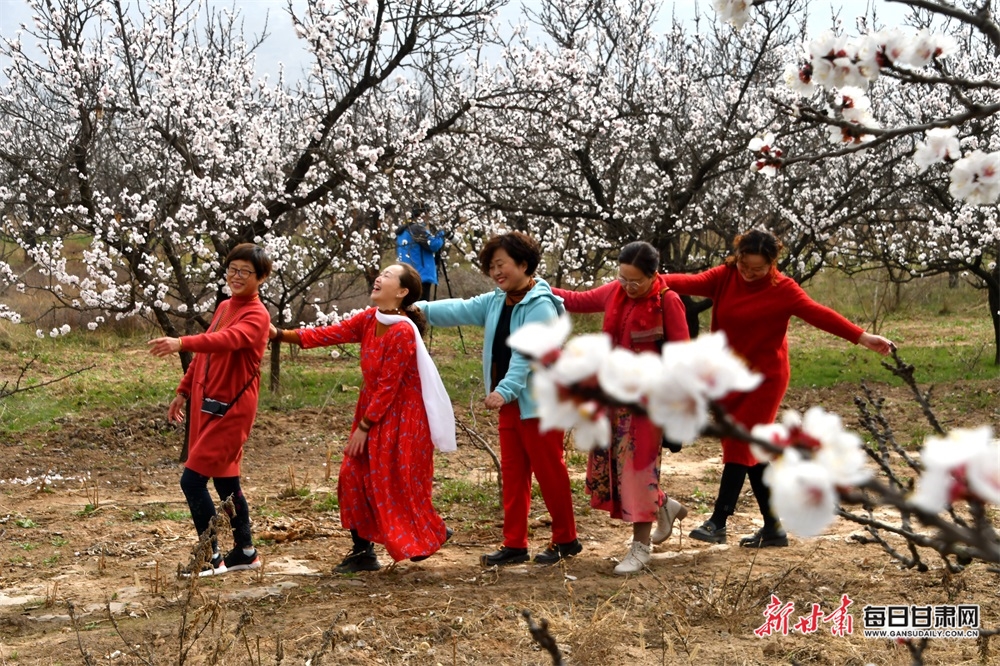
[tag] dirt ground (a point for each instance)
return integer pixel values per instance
(109, 530)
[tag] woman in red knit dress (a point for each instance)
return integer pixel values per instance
(752, 305)
(640, 314)
(225, 369)
(384, 488)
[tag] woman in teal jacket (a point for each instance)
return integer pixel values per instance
(510, 260)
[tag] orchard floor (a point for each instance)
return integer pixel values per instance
(110, 535)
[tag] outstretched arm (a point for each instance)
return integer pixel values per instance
(876, 343)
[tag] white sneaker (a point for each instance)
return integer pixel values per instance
(670, 511)
(638, 556)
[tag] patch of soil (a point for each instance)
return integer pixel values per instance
(91, 545)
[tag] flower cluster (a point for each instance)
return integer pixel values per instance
(768, 156)
(576, 381)
(964, 464)
(811, 457)
(734, 12)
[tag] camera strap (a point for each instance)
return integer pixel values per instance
(223, 321)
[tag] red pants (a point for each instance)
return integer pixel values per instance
(524, 450)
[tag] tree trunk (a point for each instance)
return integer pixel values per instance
(993, 289)
(275, 366)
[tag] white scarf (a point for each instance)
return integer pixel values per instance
(437, 404)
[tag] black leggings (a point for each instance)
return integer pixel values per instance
(730, 487)
(195, 487)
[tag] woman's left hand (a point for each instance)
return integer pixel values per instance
(876, 343)
(356, 443)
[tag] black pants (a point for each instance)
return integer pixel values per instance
(730, 487)
(428, 290)
(195, 487)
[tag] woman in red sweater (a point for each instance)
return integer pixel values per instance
(752, 305)
(640, 313)
(225, 371)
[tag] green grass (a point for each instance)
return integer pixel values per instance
(328, 503)
(457, 491)
(823, 367)
(160, 512)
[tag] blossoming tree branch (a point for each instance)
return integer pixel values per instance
(816, 465)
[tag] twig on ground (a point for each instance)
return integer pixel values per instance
(540, 633)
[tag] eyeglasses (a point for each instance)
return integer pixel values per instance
(244, 273)
(629, 284)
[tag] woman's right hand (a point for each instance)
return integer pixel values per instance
(494, 401)
(272, 332)
(175, 412)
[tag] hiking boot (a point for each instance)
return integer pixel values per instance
(358, 561)
(709, 532)
(214, 567)
(504, 556)
(557, 551)
(766, 537)
(237, 560)
(635, 560)
(670, 511)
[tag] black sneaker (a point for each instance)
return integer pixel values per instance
(773, 537)
(214, 567)
(709, 532)
(504, 556)
(557, 551)
(358, 561)
(448, 532)
(236, 560)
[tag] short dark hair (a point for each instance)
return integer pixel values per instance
(521, 247)
(642, 255)
(255, 254)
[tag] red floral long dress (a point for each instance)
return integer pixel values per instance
(385, 493)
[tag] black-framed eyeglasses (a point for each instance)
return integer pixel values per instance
(243, 273)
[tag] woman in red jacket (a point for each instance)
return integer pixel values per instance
(640, 313)
(222, 383)
(752, 305)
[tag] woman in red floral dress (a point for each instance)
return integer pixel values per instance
(385, 479)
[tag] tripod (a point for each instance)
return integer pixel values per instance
(443, 266)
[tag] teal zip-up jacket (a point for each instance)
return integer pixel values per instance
(538, 305)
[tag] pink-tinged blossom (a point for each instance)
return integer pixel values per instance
(676, 402)
(940, 144)
(855, 105)
(976, 178)
(734, 12)
(946, 462)
(593, 430)
(624, 375)
(983, 473)
(539, 340)
(799, 79)
(709, 360)
(774, 433)
(554, 412)
(925, 47)
(580, 358)
(802, 494)
(761, 144)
